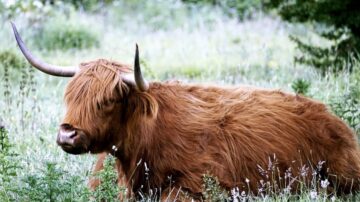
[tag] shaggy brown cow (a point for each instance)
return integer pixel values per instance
(167, 135)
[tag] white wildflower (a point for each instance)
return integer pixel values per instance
(324, 183)
(114, 148)
(247, 180)
(333, 198)
(304, 170)
(235, 194)
(320, 164)
(288, 173)
(313, 194)
(287, 190)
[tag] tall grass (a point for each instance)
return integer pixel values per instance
(196, 44)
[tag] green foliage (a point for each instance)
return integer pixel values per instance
(301, 86)
(347, 107)
(39, 10)
(36, 10)
(10, 62)
(108, 190)
(9, 58)
(154, 15)
(342, 19)
(14, 68)
(53, 184)
(88, 5)
(64, 36)
(238, 8)
(212, 190)
(185, 72)
(9, 166)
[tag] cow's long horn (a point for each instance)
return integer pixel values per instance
(41, 65)
(139, 80)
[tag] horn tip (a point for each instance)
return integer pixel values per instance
(14, 29)
(136, 50)
(12, 24)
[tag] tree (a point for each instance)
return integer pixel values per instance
(342, 20)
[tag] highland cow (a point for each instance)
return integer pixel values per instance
(167, 135)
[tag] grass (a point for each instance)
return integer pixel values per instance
(199, 45)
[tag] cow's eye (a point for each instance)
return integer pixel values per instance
(98, 105)
(107, 105)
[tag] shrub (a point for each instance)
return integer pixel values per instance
(108, 190)
(9, 61)
(65, 36)
(301, 86)
(341, 19)
(9, 58)
(9, 166)
(212, 190)
(53, 184)
(347, 107)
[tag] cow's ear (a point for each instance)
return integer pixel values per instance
(141, 104)
(122, 90)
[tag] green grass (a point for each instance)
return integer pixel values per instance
(194, 45)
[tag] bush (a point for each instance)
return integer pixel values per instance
(108, 190)
(341, 19)
(212, 190)
(347, 107)
(65, 36)
(9, 166)
(54, 184)
(301, 86)
(9, 58)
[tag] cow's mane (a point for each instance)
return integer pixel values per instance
(96, 84)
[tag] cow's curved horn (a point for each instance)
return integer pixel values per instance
(39, 64)
(141, 83)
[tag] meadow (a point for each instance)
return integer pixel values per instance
(195, 44)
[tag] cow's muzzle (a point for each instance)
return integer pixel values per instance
(72, 140)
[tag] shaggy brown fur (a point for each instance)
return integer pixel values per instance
(185, 131)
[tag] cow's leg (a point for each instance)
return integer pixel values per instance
(348, 164)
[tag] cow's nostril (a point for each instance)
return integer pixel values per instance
(66, 137)
(73, 134)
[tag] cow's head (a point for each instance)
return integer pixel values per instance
(96, 98)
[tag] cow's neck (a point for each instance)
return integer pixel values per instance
(133, 154)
